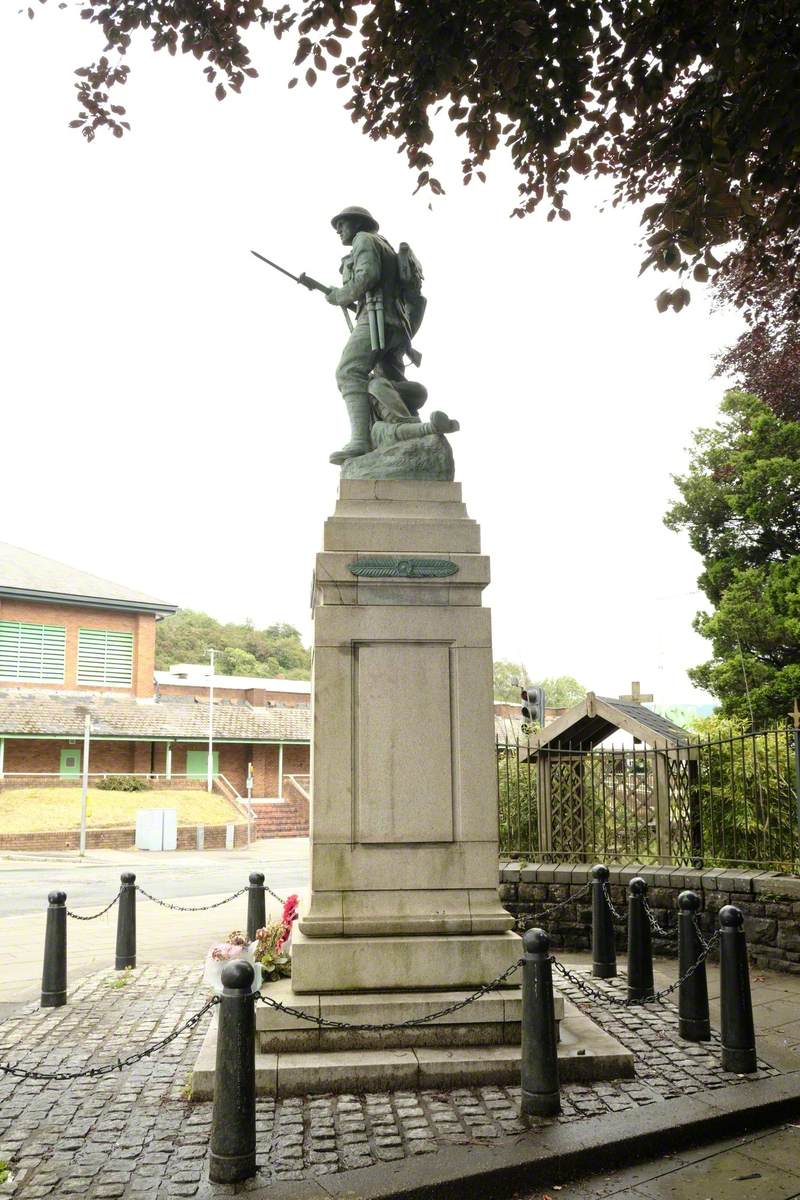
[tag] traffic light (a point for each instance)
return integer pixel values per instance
(533, 705)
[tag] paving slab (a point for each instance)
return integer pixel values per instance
(135, 1133)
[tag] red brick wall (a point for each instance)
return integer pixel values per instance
(233, 761)
(118, 839)
(34, 756)
(255, 696)
(114, 758)
(141, 625)
(296, 761)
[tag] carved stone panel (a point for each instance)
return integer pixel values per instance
(402, 756)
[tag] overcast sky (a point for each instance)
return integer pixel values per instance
(169, 402)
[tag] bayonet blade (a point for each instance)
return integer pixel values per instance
(270, 263)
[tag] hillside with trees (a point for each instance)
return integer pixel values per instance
(276, 652)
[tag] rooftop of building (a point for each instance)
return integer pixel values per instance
(199, 675)
(27, 713)
(28, 576)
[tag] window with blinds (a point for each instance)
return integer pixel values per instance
(105, 657)
(32, 653)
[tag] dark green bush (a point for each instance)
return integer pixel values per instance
(122, 783)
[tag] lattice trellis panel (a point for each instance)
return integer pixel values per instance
(680, 781)
(567, 805)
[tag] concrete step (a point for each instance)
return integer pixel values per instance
(585, 1054)
(493, 1019)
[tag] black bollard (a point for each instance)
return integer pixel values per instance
(256, 905)
(233, 1125)
(540, 1095)
(54, 968)
(694, 1023)
(640, 946)
(126, 922)
(736, 1009)
(604, 954)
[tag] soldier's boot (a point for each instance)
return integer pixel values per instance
(439, 423)
(358, 411)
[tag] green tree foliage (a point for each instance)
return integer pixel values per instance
(275, 652)
(741, 508)
(509, 677)
(560, 691)
(691, 105)
(745, 793)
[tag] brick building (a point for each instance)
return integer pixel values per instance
(70, 641)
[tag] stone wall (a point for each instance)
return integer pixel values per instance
(770, 903)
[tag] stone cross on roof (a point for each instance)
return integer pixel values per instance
(636, 696)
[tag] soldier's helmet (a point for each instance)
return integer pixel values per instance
(366, 218)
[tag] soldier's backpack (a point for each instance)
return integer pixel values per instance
(410, 276)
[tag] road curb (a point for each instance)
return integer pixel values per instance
(557, 1153)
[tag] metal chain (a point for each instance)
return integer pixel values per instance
(706, 945)
(651, 917)
(94, 916)
(525, 922)
(328, 1023)
(608, 998)
(654, 925)
(191, 908)
(275, 896)
(618, 916)
(107, 1068)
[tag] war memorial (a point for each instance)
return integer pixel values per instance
(428, 1040)
(408, 974)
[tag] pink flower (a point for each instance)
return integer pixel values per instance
(224, 951)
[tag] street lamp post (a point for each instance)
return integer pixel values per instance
(210, 770)
(87, 729)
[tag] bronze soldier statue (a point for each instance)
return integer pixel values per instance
(388, 310)
(383, 288)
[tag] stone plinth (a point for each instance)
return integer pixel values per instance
(403, 823)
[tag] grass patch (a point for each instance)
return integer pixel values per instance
(4, 1170)
(122, 980)
(42, 809)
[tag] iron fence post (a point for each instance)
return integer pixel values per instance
(540, 1096)
(736, 1009)
(604, 953)
(256, 905)
(640, 946)
(54, 967)
(126, 923)
(233, 1123)
(693, 1018)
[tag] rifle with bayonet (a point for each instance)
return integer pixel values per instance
(313, 285)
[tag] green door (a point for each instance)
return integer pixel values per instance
(70, 762)
(197, 763)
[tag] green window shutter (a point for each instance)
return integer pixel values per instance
(105, 657)
(32, 653)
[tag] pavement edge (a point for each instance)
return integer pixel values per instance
(548, 1155)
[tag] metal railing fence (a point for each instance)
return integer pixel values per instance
(723, 800)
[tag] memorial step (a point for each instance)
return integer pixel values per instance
(585, 1054)
(493, 1019)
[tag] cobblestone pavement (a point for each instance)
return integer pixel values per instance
(135, 1133)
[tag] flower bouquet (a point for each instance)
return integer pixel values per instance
(236, 946)
(273, 943)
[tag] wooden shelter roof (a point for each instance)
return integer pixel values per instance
(594, 718)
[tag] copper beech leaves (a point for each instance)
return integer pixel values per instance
(689, 106)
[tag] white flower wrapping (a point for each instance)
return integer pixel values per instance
(212, 972)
